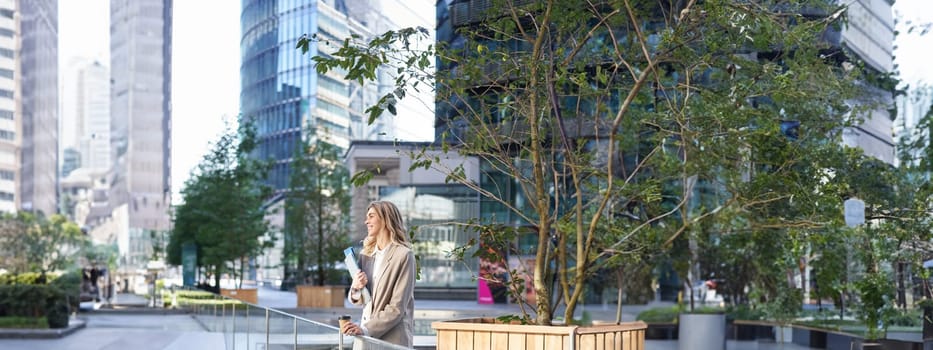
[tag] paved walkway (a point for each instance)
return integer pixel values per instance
(128, 331)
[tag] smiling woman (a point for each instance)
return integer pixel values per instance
(388, 270)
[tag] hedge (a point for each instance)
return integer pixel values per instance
(21, 297)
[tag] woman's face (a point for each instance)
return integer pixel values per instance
(374, 223)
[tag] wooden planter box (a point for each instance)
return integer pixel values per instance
(247, 295)
(320, 296)
(487, 333)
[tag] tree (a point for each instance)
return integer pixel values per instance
(318, 199)
(624, 125)
(223, 211)
(33, 243)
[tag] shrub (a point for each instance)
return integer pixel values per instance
(57, 314)
(35, 301)
(22, 278)
(194, 294)
(69, 284)
(23, 322)
(659, 315)
(744, 312)
(907, 318)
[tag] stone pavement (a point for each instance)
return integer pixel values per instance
(106, 331)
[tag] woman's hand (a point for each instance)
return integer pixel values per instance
(351, 328)
(359, 281)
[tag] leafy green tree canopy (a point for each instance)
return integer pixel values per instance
(624, 124)
(223, 211)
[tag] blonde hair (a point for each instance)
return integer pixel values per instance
(392, 221)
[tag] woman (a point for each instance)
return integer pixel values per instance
(387, 267)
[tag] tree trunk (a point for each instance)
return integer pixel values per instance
(899, 268)
(320, 228)
(217, 271)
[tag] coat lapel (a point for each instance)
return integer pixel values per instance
(386, 261)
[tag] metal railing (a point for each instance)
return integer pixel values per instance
(248, 326)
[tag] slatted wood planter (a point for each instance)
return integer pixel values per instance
(247, 295)
(487, 333)
(320, 296)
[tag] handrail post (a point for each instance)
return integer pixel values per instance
(233, 327)
(267, 328)
(295, 331)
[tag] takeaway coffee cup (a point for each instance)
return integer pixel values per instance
(344, 319)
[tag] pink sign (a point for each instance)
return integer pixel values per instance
(485, 295)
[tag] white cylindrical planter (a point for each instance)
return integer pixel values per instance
(702, 332)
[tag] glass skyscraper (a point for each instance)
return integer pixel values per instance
(283, 95)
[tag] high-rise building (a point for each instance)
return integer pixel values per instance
(140, 120)
(29, 105)
(869, 35)
(39, 64)
(10, 106)
(93, 115)
(282, 93)
(86, 114)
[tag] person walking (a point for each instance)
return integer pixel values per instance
(387, 266)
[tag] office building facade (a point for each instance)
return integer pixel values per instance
(39, 172)
(140, 122)
(29, 106)
(10, 106)
(87, 103)
(869, 35)
(284, 96)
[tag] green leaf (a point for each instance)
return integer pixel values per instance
(361, 178)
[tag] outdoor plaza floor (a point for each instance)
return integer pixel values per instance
(148, 329)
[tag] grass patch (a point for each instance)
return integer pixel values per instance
(20, 322)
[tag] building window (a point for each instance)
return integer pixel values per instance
(6, 13)
(6, 93)
(7, 175)
(6, 32)
(7, 135)
(5, 114)
(6, 73)
(6, 53)
(6, 196)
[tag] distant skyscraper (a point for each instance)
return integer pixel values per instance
(280, 90)
(92, 111)
(140, 129)
(39, 63)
